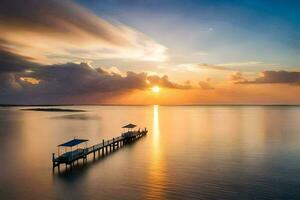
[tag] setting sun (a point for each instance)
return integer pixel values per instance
(155, 89)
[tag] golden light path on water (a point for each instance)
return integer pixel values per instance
(157, 175)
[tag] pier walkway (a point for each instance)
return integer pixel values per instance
(68, 158)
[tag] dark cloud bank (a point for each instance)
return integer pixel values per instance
(67, 83)
(270, 77)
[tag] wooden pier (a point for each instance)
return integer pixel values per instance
(70, 157)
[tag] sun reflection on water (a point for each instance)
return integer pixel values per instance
(157, 175)
(156, 131)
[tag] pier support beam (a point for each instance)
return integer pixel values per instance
(53, 160)
(113, 143)
(94, 152)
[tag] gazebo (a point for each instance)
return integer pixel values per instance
(71, 144)
(129, 127)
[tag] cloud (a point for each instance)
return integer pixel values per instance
(11, 62)
(82, 79)
(237, 77)
(59, 31)
(165, 82)
(192, 67)
(206, 84)
(247, 63)
(234, 65)
(272, 77)
(69, 82)
(213, 67)
(8, 85)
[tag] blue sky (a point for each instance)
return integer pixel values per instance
(227, 31)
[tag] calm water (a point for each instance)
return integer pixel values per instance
(192, 152)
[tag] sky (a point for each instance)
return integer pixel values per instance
(171, 52)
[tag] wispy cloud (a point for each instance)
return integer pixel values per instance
(231, 66)
(213, 67)
(192, 67)
(64, 31)
(247, 64)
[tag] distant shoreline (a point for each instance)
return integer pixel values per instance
(53, 109)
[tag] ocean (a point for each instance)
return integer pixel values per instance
(190, 152)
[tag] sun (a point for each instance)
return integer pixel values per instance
(155, 89)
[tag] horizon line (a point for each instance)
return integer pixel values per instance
(42, 105)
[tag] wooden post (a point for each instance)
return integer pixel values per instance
(102, 147)
(53, 158)
(113, 143)
(94, 151)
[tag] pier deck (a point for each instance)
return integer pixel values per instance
(70, 157)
